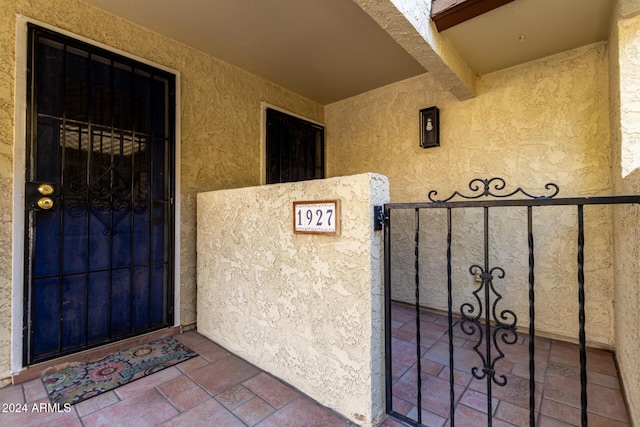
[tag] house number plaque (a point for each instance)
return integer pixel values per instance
(317, 217)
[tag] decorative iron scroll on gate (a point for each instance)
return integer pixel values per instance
(497, 184)
(485, 317)
(505, 321)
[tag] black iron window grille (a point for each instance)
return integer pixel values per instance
(294, 147)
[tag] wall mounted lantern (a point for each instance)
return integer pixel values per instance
(430, 127)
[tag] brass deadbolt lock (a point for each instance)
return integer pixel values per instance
(45, 190)
(45, 203)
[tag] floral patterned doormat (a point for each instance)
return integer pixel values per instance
(81, 382)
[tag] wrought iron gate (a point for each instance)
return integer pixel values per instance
(482, 314)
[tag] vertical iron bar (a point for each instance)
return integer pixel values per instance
(450, 322)
(387, 309)
(417, 265)
(30, 165)
(112, 132)
(63, 153)
(532, 312)
(150, 202)
(88, 234)
(88, 200)
(170, 186)
(132, 223)
(487, 316)
(581, 317)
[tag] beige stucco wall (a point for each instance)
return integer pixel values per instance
(409, 23)
(625, 148)
(220, 129)
(538, 122)
(306, 308)
(541, 121)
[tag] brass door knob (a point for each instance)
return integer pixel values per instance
(45, 189)
(45, 203)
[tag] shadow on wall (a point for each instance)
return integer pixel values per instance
(627, 295)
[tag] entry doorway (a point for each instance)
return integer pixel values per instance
(100, 197)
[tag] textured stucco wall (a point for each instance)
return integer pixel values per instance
(305, 308)
(625, 148)
(220, 129)
(538, 122)
(409, 23)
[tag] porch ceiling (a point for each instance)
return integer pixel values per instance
(328, 50)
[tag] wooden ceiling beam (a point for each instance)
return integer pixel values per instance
(447, 13)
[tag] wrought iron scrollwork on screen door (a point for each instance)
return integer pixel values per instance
(114, 182)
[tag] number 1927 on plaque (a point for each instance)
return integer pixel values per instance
(317, 217)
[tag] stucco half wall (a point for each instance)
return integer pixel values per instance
(306, 308)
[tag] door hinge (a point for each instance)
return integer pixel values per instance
(380, 218)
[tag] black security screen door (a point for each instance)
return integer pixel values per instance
(99, 197)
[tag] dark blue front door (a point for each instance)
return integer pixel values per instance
(99, 197)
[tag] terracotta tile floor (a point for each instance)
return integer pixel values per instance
(214, 389)
(557, 377)
(219, 389)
